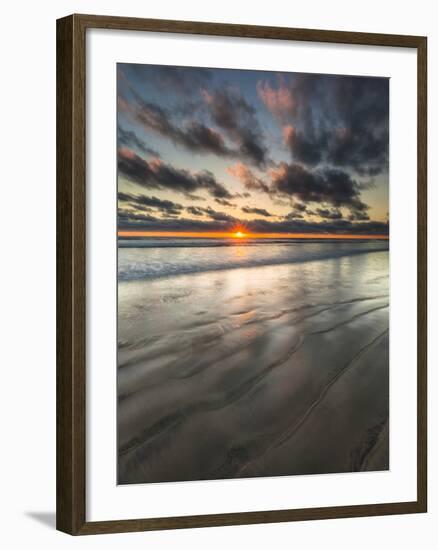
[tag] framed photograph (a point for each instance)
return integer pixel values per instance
(241, 274)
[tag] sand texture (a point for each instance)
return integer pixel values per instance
(255, 371)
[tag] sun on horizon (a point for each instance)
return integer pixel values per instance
(246, 235)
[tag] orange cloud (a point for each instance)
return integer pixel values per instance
(279, 101)
(279, 171)
(206, 96)
(123, 105)
(241, 172)
(155, 164)
(288, 134)
(127, 153)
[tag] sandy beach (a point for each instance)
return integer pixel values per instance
(257, 370)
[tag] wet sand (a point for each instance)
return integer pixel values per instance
(260, 371)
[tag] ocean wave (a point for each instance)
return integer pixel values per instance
(163, 261)
(165, 242)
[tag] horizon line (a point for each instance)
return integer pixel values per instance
(244, 235)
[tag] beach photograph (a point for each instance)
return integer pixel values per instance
(253, 274)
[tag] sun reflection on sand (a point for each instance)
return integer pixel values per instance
(253, 348)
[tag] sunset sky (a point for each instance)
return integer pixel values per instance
(213, 151)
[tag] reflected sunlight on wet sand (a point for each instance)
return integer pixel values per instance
(255, 371)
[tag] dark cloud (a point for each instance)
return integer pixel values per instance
(342, 121)
(331, 214)
(139, 201)
(294, 215)
(227, 223)
(224, 202)
(125, 197)
(326, 226)
(358, 216)
(142, 208)
(231, 112)
(258, 211)
(199, 137)
(194, 197)
(211, 213)
(156, 174)
(362, 137)
(128, 219)
(328, 185)
(308, 150)
(176, 80)
(195, 210)
(193, 136)
(298, 210)
(300, 207)
(135, 168)
(127, 138)
(207, 181)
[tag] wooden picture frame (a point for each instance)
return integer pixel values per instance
(71, 273)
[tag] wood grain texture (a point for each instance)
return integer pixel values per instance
(247, 31)
(71, 270)
(70, 276)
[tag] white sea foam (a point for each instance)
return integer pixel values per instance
(152, 258)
